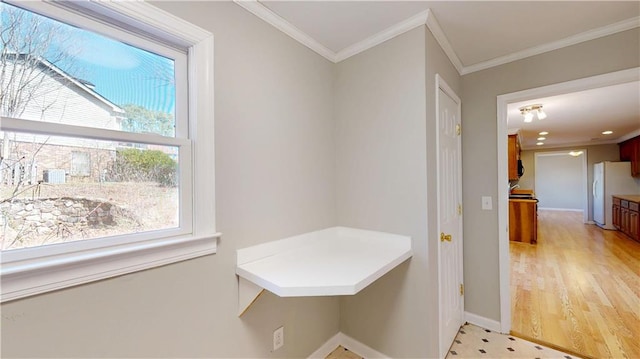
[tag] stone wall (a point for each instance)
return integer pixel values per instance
(44, 215)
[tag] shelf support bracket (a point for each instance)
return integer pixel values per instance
(248, 293)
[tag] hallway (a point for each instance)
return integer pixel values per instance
(578, 288)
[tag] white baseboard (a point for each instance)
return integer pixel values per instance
(483, 322)
(560, 209)
(326, 348)
(349, 343)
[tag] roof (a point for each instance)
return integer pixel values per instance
(84, 85)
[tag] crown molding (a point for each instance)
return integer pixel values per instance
(261, 11)
(426, 18)
(628, 136)
(567, 41)
(384, 35)
(441, 38)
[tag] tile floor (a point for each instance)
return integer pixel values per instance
(475, 342)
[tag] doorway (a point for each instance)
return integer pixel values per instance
(503, 196)
(502, 131)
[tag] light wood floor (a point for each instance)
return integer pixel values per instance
(578, 288)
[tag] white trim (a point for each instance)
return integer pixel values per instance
(384, 35)
(555, 45)
(503, 218)
(54, 267)
(628, 136)
(560, 209)
(346, 341)
(261, 11)
(26, 278)
(587, 83)
(328, 347)
(57, 129)
(149, 19)
(426, 18)
(483, 322)
(441, 38)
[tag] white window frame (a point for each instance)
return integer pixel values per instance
(31, 271)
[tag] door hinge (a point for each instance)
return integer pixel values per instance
(461, 289)
(458, 129)
(459, 210)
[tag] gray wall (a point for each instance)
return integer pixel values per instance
(479, 91)
(275, 176)
(381, 175)
(595, 154)
(386, 181)
(560, 181)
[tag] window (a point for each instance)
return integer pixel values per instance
(99, 142)
(80, 166)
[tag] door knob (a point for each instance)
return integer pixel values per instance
(445, 237)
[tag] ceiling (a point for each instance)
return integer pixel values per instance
(579, 118)
(477, 35)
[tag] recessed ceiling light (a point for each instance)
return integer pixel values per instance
(607, 132)
(575, 153)
(541, 138)
(540, 143)
(543, 133)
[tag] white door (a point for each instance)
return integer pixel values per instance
(449, 215)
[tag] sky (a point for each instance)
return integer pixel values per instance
(121, 73)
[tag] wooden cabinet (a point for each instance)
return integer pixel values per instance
(514, 157)
(626, 215)
(630, 151)
(615, 212)
(523, 220)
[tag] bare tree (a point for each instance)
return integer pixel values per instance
(31, 49)
(28, 43)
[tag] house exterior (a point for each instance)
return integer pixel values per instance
(60, 98)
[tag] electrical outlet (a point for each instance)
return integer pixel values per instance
(278, 338)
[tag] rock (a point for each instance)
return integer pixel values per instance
(43, 230)
(47, 216)
(34, 218)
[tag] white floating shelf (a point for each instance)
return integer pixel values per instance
(333, 261)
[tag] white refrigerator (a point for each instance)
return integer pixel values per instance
(610, 178)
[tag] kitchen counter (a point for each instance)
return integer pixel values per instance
(628, 197)
(523, 218)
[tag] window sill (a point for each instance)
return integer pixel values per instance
(23, 278)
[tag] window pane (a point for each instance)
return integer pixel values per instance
(50, 71)
(60, 189)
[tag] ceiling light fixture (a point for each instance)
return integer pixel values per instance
(530, 110)
(607, 132)
(541, 138)
(540, 143)
(543, 133)
(575, 153)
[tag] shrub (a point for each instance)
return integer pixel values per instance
(143, 166)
